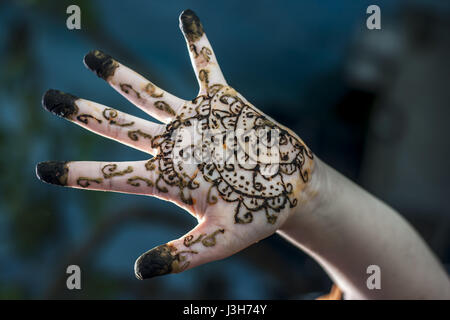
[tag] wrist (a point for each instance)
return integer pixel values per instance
(312, 197)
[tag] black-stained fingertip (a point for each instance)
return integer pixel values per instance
(101, 63)
(190, 25)
(60, 103)
(156, 262)
(53, 172)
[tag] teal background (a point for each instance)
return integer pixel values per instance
(290, 58)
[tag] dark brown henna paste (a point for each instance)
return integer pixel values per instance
(127, 88)
(150, 90)
(206, 240)
(109, 171)
(53, 172)
(86, 182)
(193, 49)
(252, 191)
(60, 103)
(134, 135)
(85, 118)
(206, 53)
(100, 63)
(210, 241)
(111, 115)
(134, 181)
(150, 165)
(189, 240)
(161, 260)
(191, 25)
(163, 106)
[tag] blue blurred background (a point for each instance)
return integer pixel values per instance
(374, 104)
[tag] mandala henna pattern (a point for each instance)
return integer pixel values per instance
(255, 186)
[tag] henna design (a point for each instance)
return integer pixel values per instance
(132, 181)
(206, 52)
(150, 89)
(54, 172)
(162, 260)
(60, 103)
(248, 185)
(193, 48)
(85, 118)
(150, 165)
(163, 106)
(134, 135)
(211, 199)
(203, 76)
(191, 25)
(85, 181)
(111, 114)
(125, 87)
(188, 240)
(210, 241)
(109, 171)
(102, 64)
(206, 240)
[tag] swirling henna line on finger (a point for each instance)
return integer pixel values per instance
(150, 165)
(85, 118)
(193, 49)
(188, 240)
(206, 240)
(134, 135)
(163, 106)
(132, 181)
(150, 90)
(111, 168)
(85, 181)
(206, 53)
(203, 77)
(127, 88)
(210, 241)
(110, 115)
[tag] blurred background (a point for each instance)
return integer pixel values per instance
(374, 104)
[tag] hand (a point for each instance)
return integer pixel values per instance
(236, 170)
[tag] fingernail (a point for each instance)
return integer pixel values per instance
(60, 103)
(53, 172)
(100, 63)
(191, 25)
(156, 262)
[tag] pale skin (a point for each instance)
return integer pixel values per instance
(239, 203)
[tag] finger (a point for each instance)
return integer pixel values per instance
(103, 120)
(141, 92)
(202, 55)
(205, 243)
(127, 177)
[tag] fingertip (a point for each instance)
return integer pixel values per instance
(59, 103)
(102, 64)
(53, 172)
(155, 262)
(190, 25)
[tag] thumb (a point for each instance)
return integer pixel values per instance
(206, 242)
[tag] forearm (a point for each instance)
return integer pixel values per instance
(345, 229)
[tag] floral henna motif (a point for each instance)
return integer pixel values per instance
(237, 167)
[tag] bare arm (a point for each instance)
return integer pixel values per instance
(346, 229)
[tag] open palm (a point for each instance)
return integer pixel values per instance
(236, 170)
